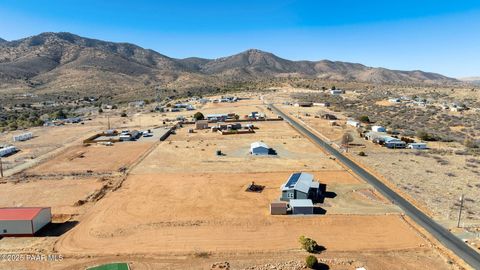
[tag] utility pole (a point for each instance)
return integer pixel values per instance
(108, 121)
(460, 210)
(1, 168)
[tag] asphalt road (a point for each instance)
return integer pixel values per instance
(468, 254)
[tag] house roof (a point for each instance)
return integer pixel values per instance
(258, 144)
(299, 181)
(20, 213)
(301, 203)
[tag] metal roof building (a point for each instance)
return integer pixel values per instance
(259, 148)
(301, 207)
(23, 221)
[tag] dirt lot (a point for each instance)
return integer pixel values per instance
(151, 216)
(45, 140)
(197, 152)
(60, 194)
(97, 158)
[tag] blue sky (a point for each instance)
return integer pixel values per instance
(432, 35)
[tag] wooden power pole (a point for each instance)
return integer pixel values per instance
(1, 168)
(460, 210)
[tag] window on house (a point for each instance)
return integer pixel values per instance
(4, 231)
(290, 195)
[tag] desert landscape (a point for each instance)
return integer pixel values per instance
(179, 202)
(237, 135)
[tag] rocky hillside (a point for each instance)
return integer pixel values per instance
(67, 62)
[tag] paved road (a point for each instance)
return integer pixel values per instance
(450, 241)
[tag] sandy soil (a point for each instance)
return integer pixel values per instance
(159, 221)
(61, 194)
(197, 152)
(97, 158)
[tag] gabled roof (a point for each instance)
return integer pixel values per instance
(258, 144)
(299, 181)
(20, 213)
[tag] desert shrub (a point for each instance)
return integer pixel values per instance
(470, 143)
(362, 154)
(425, 136)
(123, 114)
(308, 244)
(198, 116)
(311, 261)
(364, 119)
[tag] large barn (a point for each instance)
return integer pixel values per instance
(23, 221)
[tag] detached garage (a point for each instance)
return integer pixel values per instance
(259, 149)
(23, 221)
(301, 207)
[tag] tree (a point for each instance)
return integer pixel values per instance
(308, 244)
(333, 87)
(100, 110)
(198, 116)
(347, 138)
(364, 119)
(311, 261)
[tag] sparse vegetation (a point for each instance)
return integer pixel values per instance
(311, 261)
(308, 244)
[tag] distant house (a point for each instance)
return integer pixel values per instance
(336, 91)
(378, 129)
(22, 137)
(394, 143)
(417, 146)
(353, 123)
(217, 117)
(300, 185)
(201, 124)
(7, 150)
(259, 149)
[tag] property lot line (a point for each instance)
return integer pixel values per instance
(450, 241)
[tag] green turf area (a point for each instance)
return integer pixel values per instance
(111, 266)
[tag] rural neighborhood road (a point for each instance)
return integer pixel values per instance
(449, 240)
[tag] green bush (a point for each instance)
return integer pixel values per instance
(308, 244)
(311, 261)
(198, 116)
(364, 119)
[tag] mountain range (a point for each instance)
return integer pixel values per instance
(68, 62)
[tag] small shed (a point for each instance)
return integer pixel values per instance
(23, 221)
(378, 129)
(201, 124)
(278, 208)
(301, 207)
(259, 149)
(353, 123)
